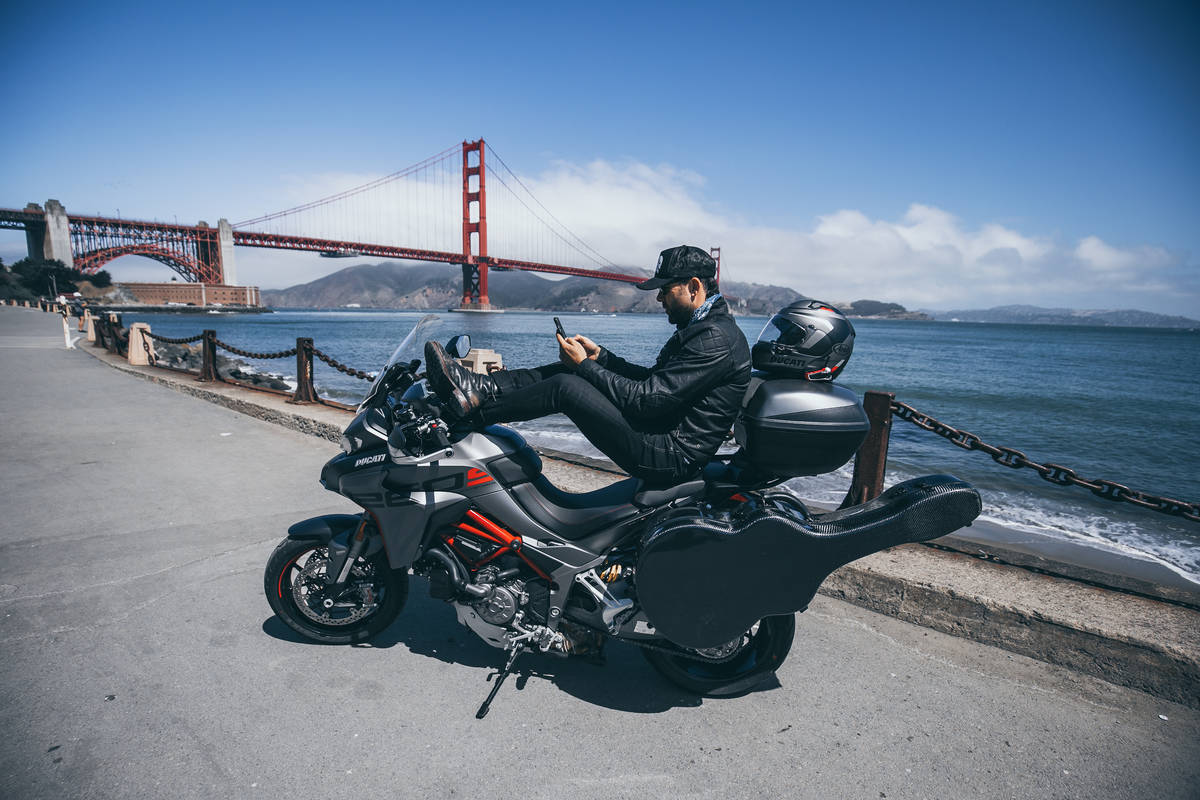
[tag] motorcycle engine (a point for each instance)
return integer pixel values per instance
(513, 606)
(489, 617)
(501, 606)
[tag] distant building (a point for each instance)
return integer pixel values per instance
(192, 294)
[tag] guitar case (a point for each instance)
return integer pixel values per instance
(704, 579)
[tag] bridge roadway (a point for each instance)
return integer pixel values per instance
(138, 657)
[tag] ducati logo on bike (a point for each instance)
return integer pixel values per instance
(370, 460)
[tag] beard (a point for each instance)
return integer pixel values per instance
(679, 315)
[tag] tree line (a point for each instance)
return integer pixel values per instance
(31, 278)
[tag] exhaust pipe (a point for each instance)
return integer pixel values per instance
(454, 570)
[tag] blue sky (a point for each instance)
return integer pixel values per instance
(935, 154)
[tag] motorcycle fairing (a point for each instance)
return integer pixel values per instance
(703, 580)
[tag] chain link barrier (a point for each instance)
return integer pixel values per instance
(1054, 473)
(151, 358)
(237, 351)
(340, 367)
(247, 354)
(167, 340)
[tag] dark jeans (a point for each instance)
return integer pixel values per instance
(532, 393)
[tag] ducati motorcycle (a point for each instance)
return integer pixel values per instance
(704, 577)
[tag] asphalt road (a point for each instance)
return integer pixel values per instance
(139, 658)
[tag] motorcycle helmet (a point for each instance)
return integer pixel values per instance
(807, 339)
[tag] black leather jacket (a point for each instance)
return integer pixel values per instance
(691, 394)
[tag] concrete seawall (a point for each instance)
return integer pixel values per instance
(1137, 633)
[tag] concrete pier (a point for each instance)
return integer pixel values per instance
(139, 658)
(228, 260)
(57, 241)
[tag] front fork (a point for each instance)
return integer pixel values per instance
(345, 549)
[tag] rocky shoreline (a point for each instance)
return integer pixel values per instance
(189, 358)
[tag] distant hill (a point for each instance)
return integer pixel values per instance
(1035, 315)
(421, 285)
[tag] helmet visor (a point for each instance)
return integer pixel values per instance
(780, 330)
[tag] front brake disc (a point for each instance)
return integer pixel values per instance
(310, 596)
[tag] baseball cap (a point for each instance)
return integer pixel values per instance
(678, 264)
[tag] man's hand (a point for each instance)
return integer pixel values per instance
(571, 352)
(591, 348)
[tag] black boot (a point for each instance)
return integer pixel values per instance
(462, 390)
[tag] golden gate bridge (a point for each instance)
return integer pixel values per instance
(434, 210)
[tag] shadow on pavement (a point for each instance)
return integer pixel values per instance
(428, 627)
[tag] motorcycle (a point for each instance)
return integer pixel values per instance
(704, 577)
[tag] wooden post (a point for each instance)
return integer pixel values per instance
(115, 328)
(101, 329)
(871, 460)
(208, 366)
(306, 392)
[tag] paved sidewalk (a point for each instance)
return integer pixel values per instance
(138, 657)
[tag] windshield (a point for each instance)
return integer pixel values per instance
(411, 348)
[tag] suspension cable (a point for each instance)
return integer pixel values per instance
(588, 247)
(356, 190)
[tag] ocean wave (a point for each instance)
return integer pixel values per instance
(1101, 531)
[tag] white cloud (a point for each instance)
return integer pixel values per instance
(928, 257)
(1105, 258)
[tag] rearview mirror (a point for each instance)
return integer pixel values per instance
(459, 346)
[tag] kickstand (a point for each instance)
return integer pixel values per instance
(504, 673)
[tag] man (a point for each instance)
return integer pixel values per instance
(660, 423)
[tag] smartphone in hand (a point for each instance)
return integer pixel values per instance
(558, 327)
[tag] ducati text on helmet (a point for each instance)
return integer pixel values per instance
(807, 339)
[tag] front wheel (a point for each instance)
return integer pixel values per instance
(735, 668)
(295, 584)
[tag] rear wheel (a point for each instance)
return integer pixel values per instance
(295, 585)
(734, 668)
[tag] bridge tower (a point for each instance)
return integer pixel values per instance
(474, 271)
(50, 238)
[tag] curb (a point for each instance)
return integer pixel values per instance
(1133, 641)
(1128, 639)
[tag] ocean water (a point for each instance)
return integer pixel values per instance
(1122, 404)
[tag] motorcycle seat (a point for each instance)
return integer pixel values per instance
(577, 515)
(649, 498)
(573, 515)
